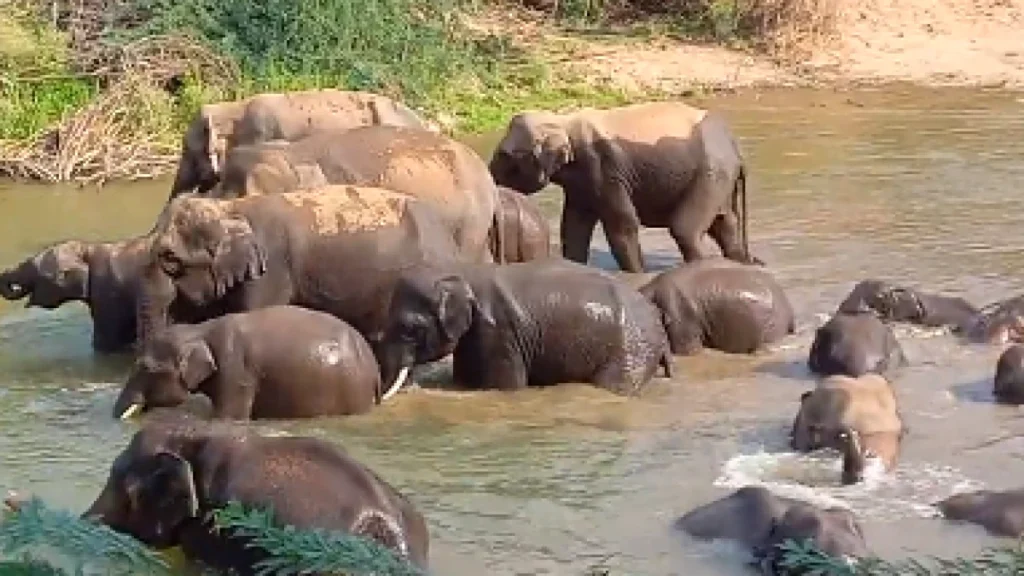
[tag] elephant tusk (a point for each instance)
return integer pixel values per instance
(131, 411)
(397, 385)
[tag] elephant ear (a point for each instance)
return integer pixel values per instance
(553, 152)
(195, 364)
(454, 306)
(239, 256)
(164, 488)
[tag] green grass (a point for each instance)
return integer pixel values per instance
(28, 107)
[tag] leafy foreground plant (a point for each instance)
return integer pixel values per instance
(805, 558)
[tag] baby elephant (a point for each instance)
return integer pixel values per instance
(1000, 513)
(854, 345)
(760, 521)
(902, 304)
(177, 470)
(859, 417)
(535, 323)
(720, 304)
(1009, 380)
(527, 233)
(274, 362)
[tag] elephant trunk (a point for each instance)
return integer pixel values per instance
(129, 403)
(854, 460)
(154, 301)
(14, 284)
(103, 508)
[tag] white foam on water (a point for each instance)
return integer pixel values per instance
(909, 491)
(95, 386)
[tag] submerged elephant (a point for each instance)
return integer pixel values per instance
(177, 470)
(859, 417)
(337, 249)
(275, 362)
(103, 275)
(760, 520)
(717, 303)
(217, 128)
(659, 164)
(1008, 385)
(438, 170)
(536, 323)
(526, 233)
(854, 345)
(1000, 513)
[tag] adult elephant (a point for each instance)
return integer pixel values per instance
(854, 345)
(523, 228)
(720, 304)
(104, 276)
(275, 362)
(438, 170)
(538, 323)
(859, 417)
(661, 164)
(337, 249)
(177, 470)
(760, 521)
(217, 128)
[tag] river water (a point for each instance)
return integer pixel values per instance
(923, 187)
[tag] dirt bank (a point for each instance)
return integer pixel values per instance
(928, 42)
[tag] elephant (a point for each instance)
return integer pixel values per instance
(759, 520)
(720, 304)
(859, 417)
(336, 249)
(178, 469)
(437, 169)
(854, 345)
(217, 128)
(103, 275)
(1000, 322)
(1000, 513)
(657, 164)
(1008, 386)
(537, 323)
(274, 362)
(527, 235)
(901, 304)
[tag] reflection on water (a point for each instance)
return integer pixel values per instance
(914, 186)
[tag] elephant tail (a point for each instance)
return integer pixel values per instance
(739, 197)
(666, 363)
(499, 230)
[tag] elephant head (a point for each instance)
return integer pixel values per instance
(151, 490)
(535, 147)
(888, 301)
(1008, 385)
(265, 168)
(58, 274)
(428, 315)
(834, 531)
(200, 251)
(169, 368)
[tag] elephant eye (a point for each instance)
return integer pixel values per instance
(171, 264)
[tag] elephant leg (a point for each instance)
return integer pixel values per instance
(624, 241)
(497, 371)
(694, 216)
(577, 232)
(725, 231)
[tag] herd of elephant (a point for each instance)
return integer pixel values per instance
(316, 246)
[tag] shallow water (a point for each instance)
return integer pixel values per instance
(923, 187)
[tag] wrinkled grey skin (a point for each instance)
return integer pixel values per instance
(854, 345)
(178, 469)
(1008, 385)
(275, 362)
(1001, 513)
(217, 128)
(527, 234)
(440, 171)
(536, 323)
(901, 304)
(659, 164)
(717, 303)
(103, 275)
(760, 520)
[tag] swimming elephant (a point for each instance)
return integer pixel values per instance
(217, 128)
(177, 470)
(1008, 385)
(536, 323)
(102, 275)
(274, 362)
(438, 170)
(717, 303)
(659, 164)
(901, 304)
(1000, 322)
(527, 235)
(759, 520)
(859, 417)
(337, 249)
(854, 345)
(1000, 513)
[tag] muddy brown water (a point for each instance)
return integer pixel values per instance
(925, 187)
